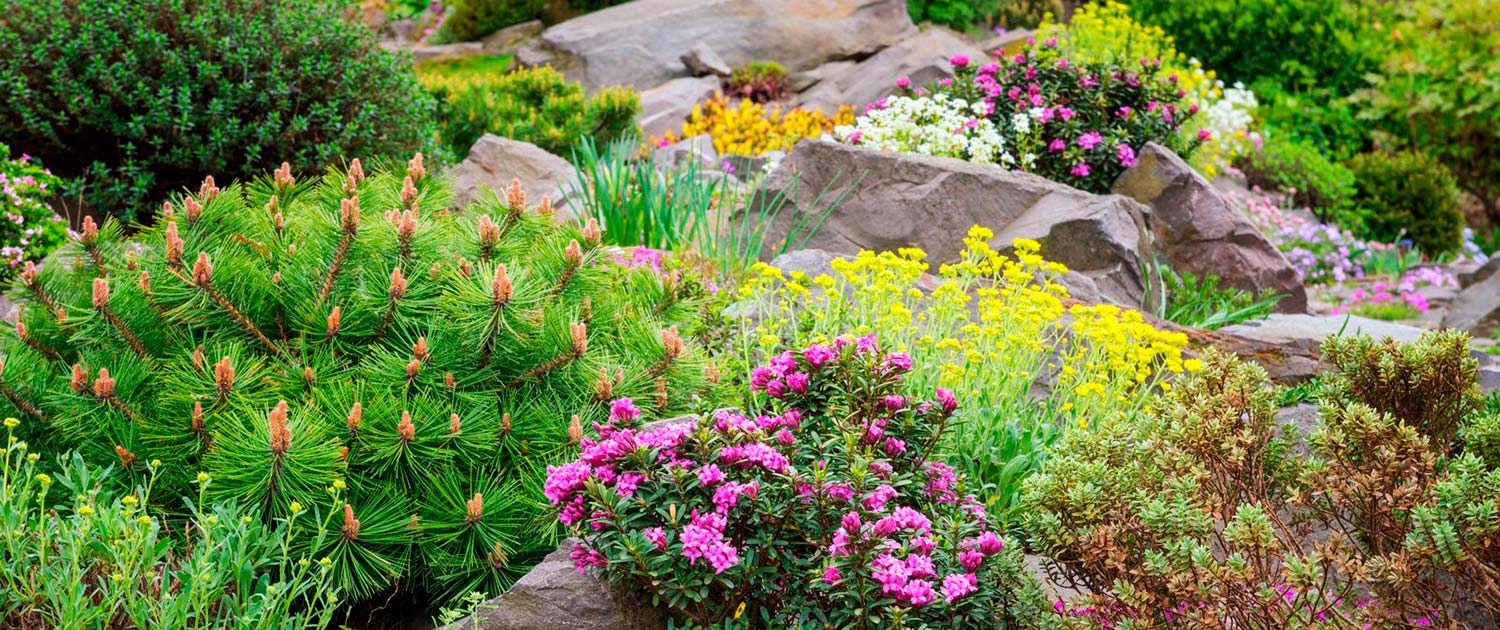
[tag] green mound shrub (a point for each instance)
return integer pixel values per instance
(1407, 196)
(82, 550)
(1308, 178)
(971, 14)
(469, 20)
(284, 340)
(138, 99)
(30, 229)
(536, 105)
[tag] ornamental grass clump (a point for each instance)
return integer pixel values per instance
(991, 328)
(350, 330)
(1076, 122)
(821, 509)
(1206, 513)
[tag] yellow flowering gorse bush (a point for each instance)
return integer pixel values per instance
(750, 128)
(988, 327)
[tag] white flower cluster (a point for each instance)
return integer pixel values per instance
(931, 125)
(1228, 117)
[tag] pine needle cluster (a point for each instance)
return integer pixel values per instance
(351, 332)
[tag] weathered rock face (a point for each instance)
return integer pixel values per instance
(494, 161)
(1201, 231)
(641, 43)
(1477, 308)
(555, 596)
(904, 200)
(923, 58)
(666, 106)
(1307, 332)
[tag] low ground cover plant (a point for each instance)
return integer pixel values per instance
(535, 105)
(1075, 122)
(134, 100)
(31, 228)
(989, 328)
(281, 339)
(823, 508)
(83, 549)
(1204, 512)
(752, 129)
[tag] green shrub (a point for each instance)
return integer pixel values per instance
(971, 14)
(30, 229)
(469, 20)
(430, 360)
(1408, 196)
(1315, 117)
(1436, 93)
(759, 81)
(1429, 384)
(138, 99)
(1308, 178)
(83, 551)
(536, 105)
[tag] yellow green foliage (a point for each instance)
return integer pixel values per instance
(753, 129)
(536, 105)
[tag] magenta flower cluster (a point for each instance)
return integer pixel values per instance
(794, 506)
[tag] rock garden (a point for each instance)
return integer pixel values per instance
(750, 314)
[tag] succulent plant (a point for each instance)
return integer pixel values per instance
(351, 346)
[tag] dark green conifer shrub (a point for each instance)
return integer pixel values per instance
(349, 331)
(139, 98)
(469, 20)
(1408, 196)
(1311, 180)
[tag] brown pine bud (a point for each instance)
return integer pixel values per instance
(101, 294)
(280, 222)
(580, 334)
(489, 233)
(474, 509)
(174, 245)
(414, 168)
(515, 198)
(436, 270)
(356, 171)
(505, 423)
(500, 287)
(80, 380)
(573, 254)
(333, 323)
(398, 285)
(29, 273)
(276, 278)
(203, 272)
(711, 374)
(449, 381)
(419, 349)
(412, 369)
(604, 388)
(405, 428)
(349, 214)
(592, 235)
(308, 376)
(408, 192)
(208, 191)
(145, 282)
(407, 228)
(672, 343)
(356, 414)
(291, 249)
(62, 315)
(127, 458)
(351, 524)
(545, 209)
(280, 436)
(284, 179)
(167, 211)
(21, 330)
(454, 425)
(193, 209)
(411, 523)
(271, 207)
(575, 430)
(497, 557)
(343, 453)
(104, 386)
(464, 268)
(90, 231)
(198, 357)
(197, 421)
(223, 376)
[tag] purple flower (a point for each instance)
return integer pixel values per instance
(798, 382)
(919, 593)
(819, 354)
(624, 411)
(584, 557)
(894, 447)
(946, 399)
(855, 136)
(1080, 169)
(563, 480)
(658, 537)
(956, 586)
(777, 389)
(894, 402)
(971, 559)
(1090, 140)
(990, 544)
(1056, 146)
(990, 69)
(1051, 42)
(903, 82)
(877, 499)
(959, 61)
(1204, 135)
(1126, 155)
(831, 575)
(710, 475)
(785, 438)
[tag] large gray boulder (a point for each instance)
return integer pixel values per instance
(666, 106)
(1477, 308)
(1307, 332)
(1199, 230)
(893, 200)
(493, 162)
(923, 58)
(555, 596)
(641, 43)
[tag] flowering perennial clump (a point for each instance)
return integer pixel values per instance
(822, 509)
(1080, 123)
(29, 229)
(989, 327)
(750, 128)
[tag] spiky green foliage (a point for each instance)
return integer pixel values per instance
(285, 337)
(1430, 384)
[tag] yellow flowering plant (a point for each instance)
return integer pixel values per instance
(998, 330)
(751, 128)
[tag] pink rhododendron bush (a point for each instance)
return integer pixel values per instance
(823, 510)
